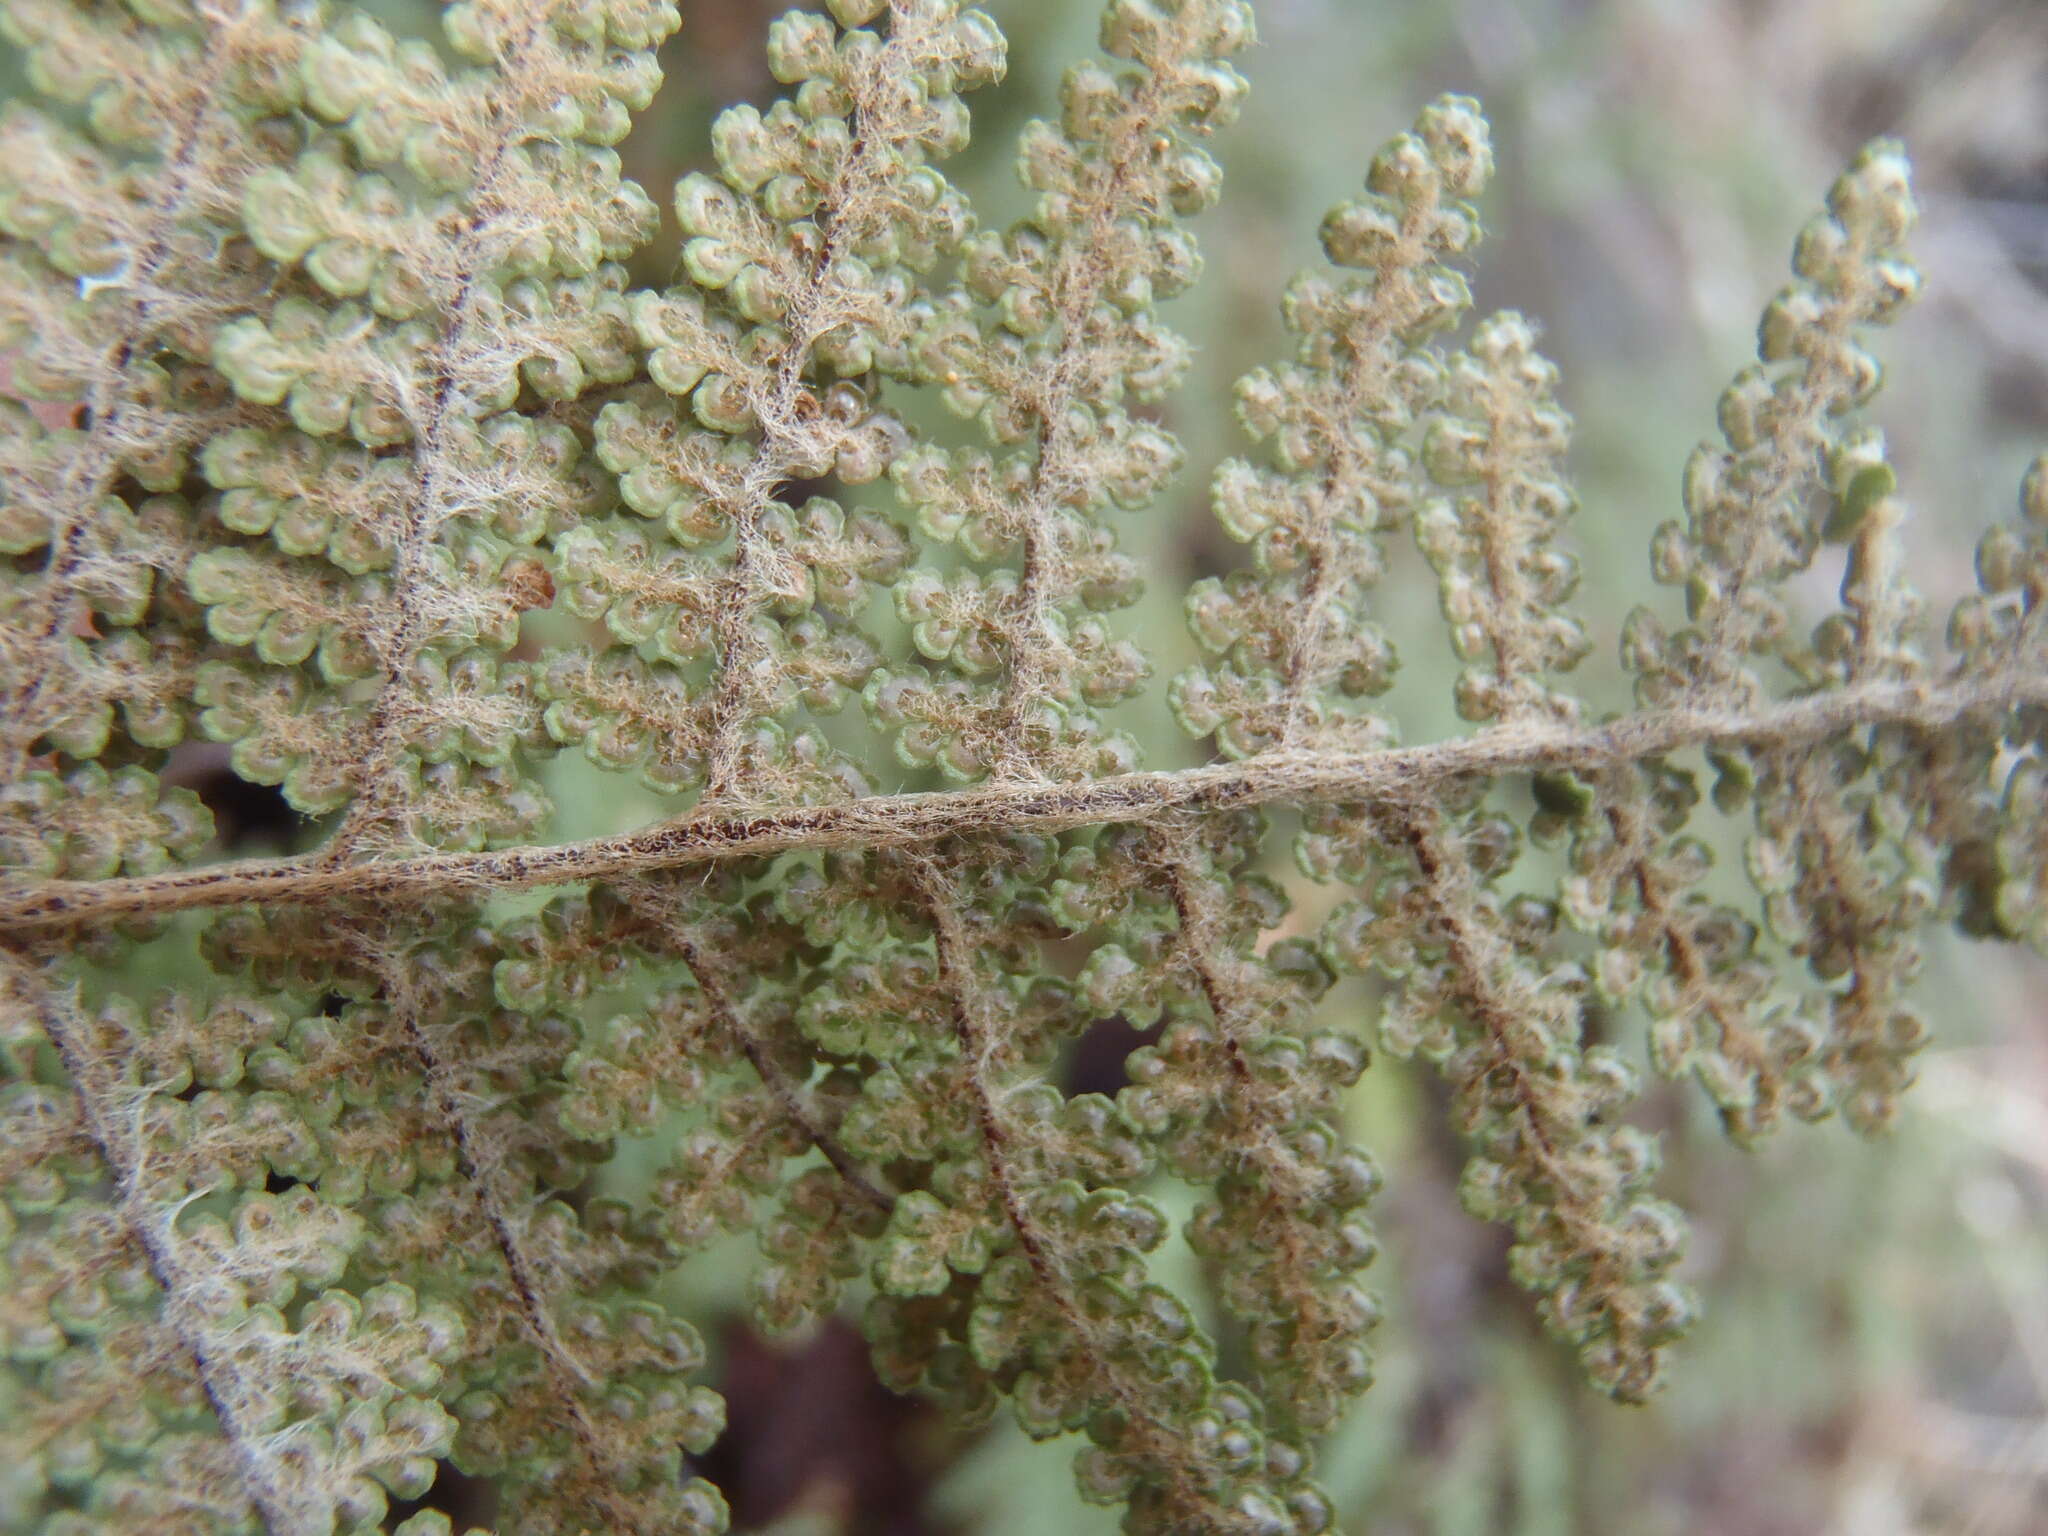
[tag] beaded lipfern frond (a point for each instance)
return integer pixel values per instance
(346, 449)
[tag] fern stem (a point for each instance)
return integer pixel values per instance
(282, 1512)
(713, 983)
(1156, 1440)
(604, 1471)
(857, 201)
(190, 170)
(1255, 1120)
(410, 626)
(1303, 776)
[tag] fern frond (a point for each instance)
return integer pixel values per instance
(359, 458)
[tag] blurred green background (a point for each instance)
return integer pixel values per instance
(1874, 1357)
